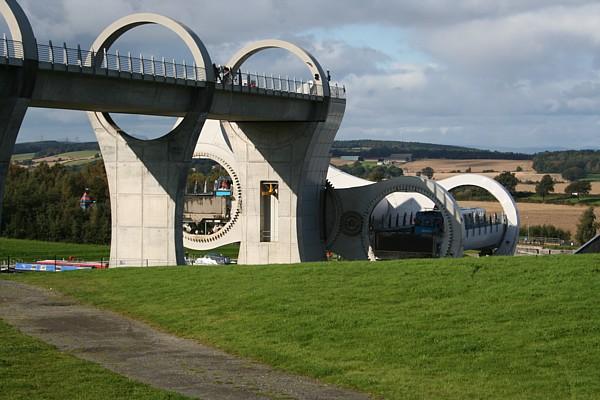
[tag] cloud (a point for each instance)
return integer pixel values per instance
(481, 73)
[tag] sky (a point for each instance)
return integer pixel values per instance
(518, 75)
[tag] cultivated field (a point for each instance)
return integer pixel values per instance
(443, 170)
(562, 216)
(70, 159)
(477, 166)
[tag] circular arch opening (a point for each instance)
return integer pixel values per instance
(491, 227)
(437, 222)
(151, 43)
(317, 84)
(189, 48)
(406, 225)
(212, 204)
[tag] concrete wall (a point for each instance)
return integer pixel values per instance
(296, 156)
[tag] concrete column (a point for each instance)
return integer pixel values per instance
(12, 113)
(147, 185)
(296, 156)
(146, 179)
(18, 83)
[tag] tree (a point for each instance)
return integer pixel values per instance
(573, 173)
(587, 226)
(545, 186)
(519, 168)
(579, 187)
(377, 174)
(428, 172)
(394, 171)
(508, 180)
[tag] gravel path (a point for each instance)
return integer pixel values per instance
(144, 354)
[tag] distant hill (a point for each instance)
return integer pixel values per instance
(52, 147)
(384, 148)
(364, 148)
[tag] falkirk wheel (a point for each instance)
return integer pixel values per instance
(352, 217)
(272, 137)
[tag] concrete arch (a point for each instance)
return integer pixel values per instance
(147, 178)
(351, 238)
(308, 59)
(20, 28)
(18, 83)
(511, 236)
(212, 145)
(118, 28)
(199, 52)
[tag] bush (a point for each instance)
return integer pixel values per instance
(546, 231)
(572, 174)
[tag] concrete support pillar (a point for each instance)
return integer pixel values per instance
(146, 179)
(147, 185)
(295, 156)
(12, 113)
(17, 83)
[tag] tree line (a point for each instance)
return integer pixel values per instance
(42, 203)
(576, 163)
(384, 148)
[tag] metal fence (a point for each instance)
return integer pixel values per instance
(103, 63)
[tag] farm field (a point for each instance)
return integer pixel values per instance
(476, 165)
(443, 167)
(31, 369)
(72, 158)
(494, 328)
(562, 216)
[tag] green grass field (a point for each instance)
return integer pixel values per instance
(22, 157)
(31, 369)
(78, 154)
(32, 250)
(229, 250)
(493, 328)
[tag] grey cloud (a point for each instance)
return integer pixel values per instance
(522, 71)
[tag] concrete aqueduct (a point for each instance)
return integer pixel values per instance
(272, 135)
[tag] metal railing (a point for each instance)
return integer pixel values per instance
(78, 59)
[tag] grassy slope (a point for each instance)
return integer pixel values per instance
(31, 250)
(519, 328)
(30, 369)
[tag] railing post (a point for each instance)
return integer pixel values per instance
(302, 85)
(295, 87)
(130, 61)
(65, 54)
(195, 71)
(185, 71)
(5, 42)
(174, 69)
(79, 60)
(93, 60)
(143, 69)
(118, 61)
(279, 80)
(153, 67)
(51, 53)
(164, 66)
(105, 60)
